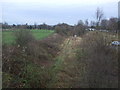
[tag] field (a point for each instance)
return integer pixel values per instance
(9, 38)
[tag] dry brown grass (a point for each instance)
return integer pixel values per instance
(27, 65)
(46, 49)
(101, 60)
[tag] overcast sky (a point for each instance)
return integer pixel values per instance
(55, 11)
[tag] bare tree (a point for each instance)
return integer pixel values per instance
(79, 28)
(86, 22)
(99, 15)
(113, 24)
(104, 24)
(92, 24)
(35, 25)
(80, 22)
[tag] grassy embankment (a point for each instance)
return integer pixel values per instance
(29, 66)
(82, 62)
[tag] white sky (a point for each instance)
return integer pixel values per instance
(62, 1)
(55, 11)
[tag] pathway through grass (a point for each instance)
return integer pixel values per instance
(67, 70)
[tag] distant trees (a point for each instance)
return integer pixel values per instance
(63, 29)
(113, 24)
(99, 15)
(118, 26)
(5, 25)
(80, 22)
(26, 26)
(104, 24)
(86, 23)
(93, 24)
(110, 24)
(45, 26)
(35, 25)
(80, 28)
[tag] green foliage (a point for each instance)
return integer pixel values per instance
(35, 76)
(40, 34)
(8, 37)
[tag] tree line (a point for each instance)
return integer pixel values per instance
(111, 24)
(5, 25)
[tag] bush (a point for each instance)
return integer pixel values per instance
(23, 37)
(63, 29)
(25, 68)
(96, 42)
(45, 49)
(79, 30)
(100, 60)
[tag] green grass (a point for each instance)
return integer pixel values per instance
(9, 38)
(41, 33)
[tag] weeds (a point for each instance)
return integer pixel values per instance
(23, 37)
(22, 64)
(100, 60)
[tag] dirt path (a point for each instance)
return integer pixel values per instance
(66, 70)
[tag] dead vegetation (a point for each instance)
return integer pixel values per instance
(100, 60)
(87, 62)
(26, 63)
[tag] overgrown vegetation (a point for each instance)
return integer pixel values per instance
(100, 60)
(67, 30)
(27, 63)
(63, 29)
(62, 55)
(23, 37)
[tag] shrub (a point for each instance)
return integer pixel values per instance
(63, 29)
(23, 37)
(24, 68)
(96, 41)
(45, 49)
(79, 30)
(100, 60)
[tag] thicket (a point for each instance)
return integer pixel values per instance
(100, 60)
(22, 62)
